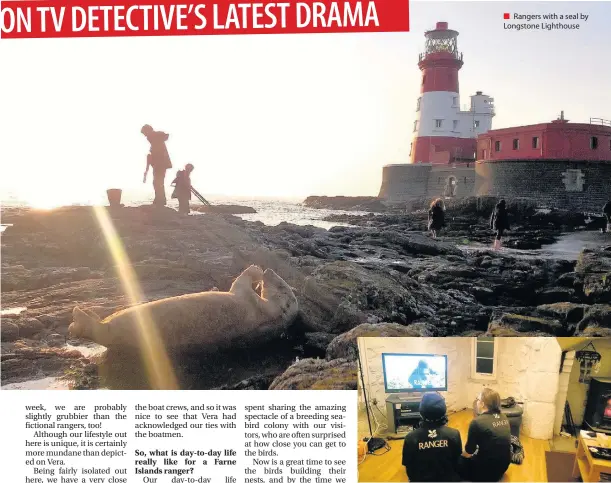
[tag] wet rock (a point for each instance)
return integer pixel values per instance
(555, 294)
(9, 330)
(596, 318)
(318, 341)
(342, 295)
(597, 287)
(338, 374)
(570, 280)
(344, 346)
(29, 326)
(419, 244)
(523, 244)
(56, 340)
(521, 323)
(255, 383)
(26, 363)
(568, 312)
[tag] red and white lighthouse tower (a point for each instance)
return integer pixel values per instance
(442, 132)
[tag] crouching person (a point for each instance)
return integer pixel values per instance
(182, 190)
(432, 452)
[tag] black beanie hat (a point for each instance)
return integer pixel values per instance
(432, 407)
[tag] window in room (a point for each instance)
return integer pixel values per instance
(483, 360)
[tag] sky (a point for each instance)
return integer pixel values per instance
(281, 115)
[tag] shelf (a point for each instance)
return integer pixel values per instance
(584, 468)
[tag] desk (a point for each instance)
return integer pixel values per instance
(586, 466)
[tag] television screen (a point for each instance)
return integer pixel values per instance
(415, 372)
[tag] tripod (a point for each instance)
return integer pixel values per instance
(373, 444)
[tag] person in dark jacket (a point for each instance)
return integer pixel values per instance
(182, 190)
(436, 217)
(159, 159)
(432, 452)
(607, 216)
(499, 222)
(487, 453)
(420, 376)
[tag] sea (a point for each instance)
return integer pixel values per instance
(270, 211)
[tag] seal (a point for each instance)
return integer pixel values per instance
(197, 320)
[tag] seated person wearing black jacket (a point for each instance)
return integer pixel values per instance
(488, 450)
(432, 452)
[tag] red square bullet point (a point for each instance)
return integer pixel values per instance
(506, 16)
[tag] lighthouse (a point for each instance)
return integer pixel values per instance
(443, 133)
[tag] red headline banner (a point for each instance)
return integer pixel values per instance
(23, 19)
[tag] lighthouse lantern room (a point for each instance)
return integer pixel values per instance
(442, 132)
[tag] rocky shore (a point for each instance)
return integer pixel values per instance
(381, 276)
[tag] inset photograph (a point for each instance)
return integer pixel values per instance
(484, 409)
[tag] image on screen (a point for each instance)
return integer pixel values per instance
(414, 372)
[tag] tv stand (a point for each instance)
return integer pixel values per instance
(402, 409)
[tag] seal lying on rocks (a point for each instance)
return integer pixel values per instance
(198, 320)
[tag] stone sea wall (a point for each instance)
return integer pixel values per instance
(572, 185)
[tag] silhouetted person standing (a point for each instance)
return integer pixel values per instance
(436, 217)
(182, 190)
(499, 222)
(607, 216)
(159, 159)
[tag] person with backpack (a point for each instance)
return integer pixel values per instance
(432, 452)
(159, 159)
(499, 222)
(182, 190)
(436, 217)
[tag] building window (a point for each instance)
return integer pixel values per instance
(418, 104)
(438, 122)
(475, 124)
(535, 142)
(497, 146)
(455, 125)
(593, 142)
(483, 360)
(423, 79)
(454, 101)
(516, 144)
(415, 126)
(609, 144)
